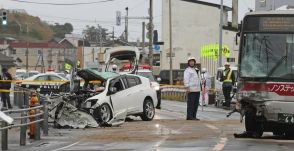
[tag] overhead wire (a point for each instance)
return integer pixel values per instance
(63, 4)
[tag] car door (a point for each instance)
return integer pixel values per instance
(135, 93)
(119, 100)
(55, 82)
(42, 83)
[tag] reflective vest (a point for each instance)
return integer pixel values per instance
(229, 77)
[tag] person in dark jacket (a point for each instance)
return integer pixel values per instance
(6, 86)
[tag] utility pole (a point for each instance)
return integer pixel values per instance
(127, 24)
(143, 41)
(170, 45)
(112, 37)
(235, 14)
(100, 38)
(27, 51)
(221, 34)
(151, 33)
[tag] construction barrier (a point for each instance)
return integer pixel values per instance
(177, 93)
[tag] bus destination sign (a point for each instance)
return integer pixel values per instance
(276, 24)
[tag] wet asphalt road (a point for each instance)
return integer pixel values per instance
(168, 131)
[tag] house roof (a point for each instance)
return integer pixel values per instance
(6, 61)
(35, 45)
(208, 4)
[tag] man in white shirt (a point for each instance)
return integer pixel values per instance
(192, 81)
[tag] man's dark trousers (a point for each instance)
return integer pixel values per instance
(6, 99)
(192, 105)
(227, 88)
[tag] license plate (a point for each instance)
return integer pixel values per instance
(286, 118)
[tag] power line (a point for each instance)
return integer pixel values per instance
(137, 5)
(64, 4)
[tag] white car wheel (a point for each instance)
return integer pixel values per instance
(148, 110)
(103, 113)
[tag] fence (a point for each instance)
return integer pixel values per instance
(28, 116)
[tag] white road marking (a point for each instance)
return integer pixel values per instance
(221, 145)
(66, 146)
(211, 126)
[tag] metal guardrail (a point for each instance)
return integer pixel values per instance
(26, 119)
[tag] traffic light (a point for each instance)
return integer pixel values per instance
(4, 17)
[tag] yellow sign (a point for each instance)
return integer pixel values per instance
(212, 51)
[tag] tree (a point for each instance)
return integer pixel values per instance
(92, 34)
(61, 30)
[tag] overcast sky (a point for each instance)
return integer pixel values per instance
(103, 13)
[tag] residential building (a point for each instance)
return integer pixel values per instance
(195, 24)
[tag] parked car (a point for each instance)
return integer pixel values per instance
(154, 84)
(46, 82)
(20, 73)
(127, 94)
(178, 76)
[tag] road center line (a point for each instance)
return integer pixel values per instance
(221, 145)
(211, 126)
(66, 146)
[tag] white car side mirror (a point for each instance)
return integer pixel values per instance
(112, 90)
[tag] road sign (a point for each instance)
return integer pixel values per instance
(118, 18)
(168, 54)
(156, 47)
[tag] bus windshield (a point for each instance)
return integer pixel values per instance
(267, 55)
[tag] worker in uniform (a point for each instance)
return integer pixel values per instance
(192, 81)
(114, 68)
(228, 82)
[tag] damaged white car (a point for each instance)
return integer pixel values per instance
(106, 103)
(123, 95)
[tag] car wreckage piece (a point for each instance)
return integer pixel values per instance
(65, 114)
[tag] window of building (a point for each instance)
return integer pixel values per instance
(262, 3)
(13, 51)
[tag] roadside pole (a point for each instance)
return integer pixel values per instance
(170, 45)
(127, 24)
(221, 34)
(143, 41)
(151, 33)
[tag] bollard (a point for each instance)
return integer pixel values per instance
(45, 122)
(4, 137)
(23, 130)
(37, 129)
(33, 127)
